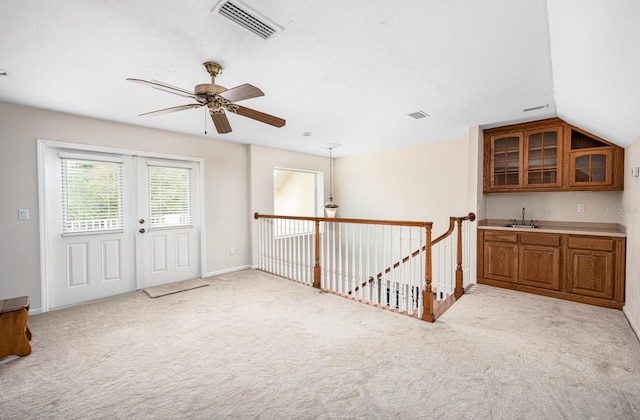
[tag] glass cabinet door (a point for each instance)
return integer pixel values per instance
(543, 149)
(505, 160)
(590, 167)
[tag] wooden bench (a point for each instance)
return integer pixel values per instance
(14, 331)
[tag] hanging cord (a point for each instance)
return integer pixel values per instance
(205, 121)
(330, 175)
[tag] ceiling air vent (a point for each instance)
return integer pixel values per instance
(418, 114)
(248, 18)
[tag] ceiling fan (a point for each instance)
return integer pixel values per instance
(219, 100)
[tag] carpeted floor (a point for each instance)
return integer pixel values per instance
(254, 346)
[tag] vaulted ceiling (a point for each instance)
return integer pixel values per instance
(346, 72)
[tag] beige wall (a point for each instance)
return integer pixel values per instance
(226, 175)
(630, 213)
(556, 206)
(422, 183)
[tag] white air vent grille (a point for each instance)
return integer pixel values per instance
(418, 114)
(248, 18)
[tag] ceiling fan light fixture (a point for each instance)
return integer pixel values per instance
(245, 16)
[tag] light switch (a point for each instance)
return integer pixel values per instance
(635, 171)
(23, 214)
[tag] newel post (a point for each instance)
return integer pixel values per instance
(427, 312)
(459, 290)
(317, 271)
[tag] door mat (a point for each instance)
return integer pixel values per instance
(171, 288)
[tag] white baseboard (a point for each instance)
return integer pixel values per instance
(634, 327)
(228, 270)
(35, 311)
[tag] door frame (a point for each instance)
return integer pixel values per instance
(43, 145)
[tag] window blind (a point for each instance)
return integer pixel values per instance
(169, 196)
(91, 195)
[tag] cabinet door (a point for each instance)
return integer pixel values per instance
(540, 266)
(542, 157)
(589, 168)
(591, 273)
(505, 158)
(501, 261)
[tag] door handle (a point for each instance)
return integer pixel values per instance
(142, 230)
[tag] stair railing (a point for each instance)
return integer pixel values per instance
(338, 255)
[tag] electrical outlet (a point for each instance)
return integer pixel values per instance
(582, 208)
(23, 214)
(233, 251)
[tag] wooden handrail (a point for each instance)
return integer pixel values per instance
(452, 221)
(344, 220)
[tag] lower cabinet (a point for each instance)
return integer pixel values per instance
(588, 269)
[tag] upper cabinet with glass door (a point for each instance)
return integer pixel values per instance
(543, 151)
(549, 155)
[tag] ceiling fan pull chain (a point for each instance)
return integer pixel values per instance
(205, 121)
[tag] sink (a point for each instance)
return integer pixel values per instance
(522, 226)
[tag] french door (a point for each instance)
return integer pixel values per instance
(167, 237)
(115, 223)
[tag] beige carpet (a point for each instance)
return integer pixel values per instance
(254, 346)
(176, 287)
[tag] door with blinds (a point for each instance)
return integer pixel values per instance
(88, 213)
(168, 231)
(115, 223)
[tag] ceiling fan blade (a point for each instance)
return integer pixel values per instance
(241, 92)
(259, 116)
(169, 110)
(165, 87)
(221, 122)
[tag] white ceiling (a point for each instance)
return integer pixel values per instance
(349, 72)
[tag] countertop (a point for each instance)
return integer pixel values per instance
(572, 228)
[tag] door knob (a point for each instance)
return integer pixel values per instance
(142, 230)
(141, 221)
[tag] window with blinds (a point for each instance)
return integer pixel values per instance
(169, 196)
(91, 195)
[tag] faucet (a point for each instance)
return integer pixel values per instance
(523, 216)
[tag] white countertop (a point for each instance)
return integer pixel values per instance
(572, 228)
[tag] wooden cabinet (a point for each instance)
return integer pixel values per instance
(549, 155)
(596, 265)
(540, 262)
(587, 269)
(501, 256)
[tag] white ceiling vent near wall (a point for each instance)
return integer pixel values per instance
(248, 18)
(418, 114)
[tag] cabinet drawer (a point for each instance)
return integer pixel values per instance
(500, 236)
(600, 244)
(549, 239)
